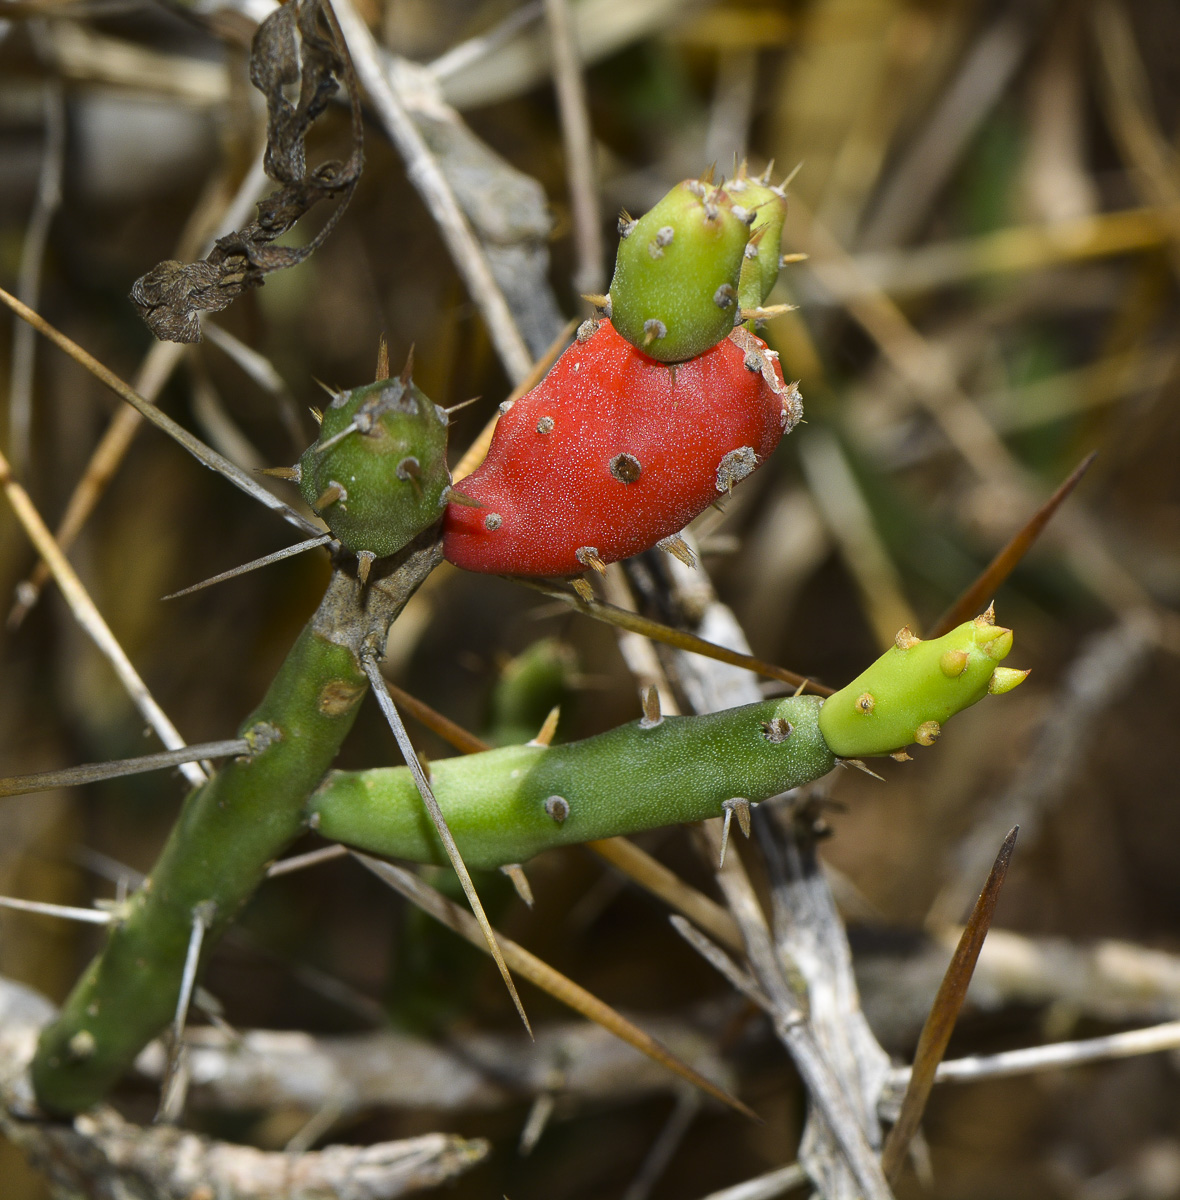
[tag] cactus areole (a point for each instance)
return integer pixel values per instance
(377, 474)
(614, 451)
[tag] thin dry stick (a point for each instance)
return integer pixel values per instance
(155, 370)
(425, 174)
(478, 450)
(87, 614)
(678, 638)
(372, 669)
(44, 781)
(944, 1012)
(764, 1187)
(202, 453)
(791, 1026)
(666, 885)
(48, 198)
(850, 520)
(1152, 1040)
(579, 146)
(545, 977)
(977, 596)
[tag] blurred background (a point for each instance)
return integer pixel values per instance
(986, 226)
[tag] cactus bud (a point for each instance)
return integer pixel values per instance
(911, 690)
(377, 474)
(675, 288)
(769, 207)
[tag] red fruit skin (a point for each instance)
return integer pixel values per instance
(552, 485)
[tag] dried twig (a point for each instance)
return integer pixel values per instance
(290, 46)
(20, 388)
(579, 146)
(86, 612)
(432, 184)
(543, 976)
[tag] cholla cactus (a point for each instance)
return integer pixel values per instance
(675, 287)
(907, 694)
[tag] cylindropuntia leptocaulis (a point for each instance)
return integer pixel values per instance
(379, 475)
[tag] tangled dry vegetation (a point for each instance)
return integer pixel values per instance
(986, 240)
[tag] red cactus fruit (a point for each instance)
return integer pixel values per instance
(612, 452)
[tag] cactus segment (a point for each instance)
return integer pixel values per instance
(675, 287)
(377, 474)
(613, 452)
(506, 805)
(760, 264)
(915, 686)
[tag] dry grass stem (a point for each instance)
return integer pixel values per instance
(88, 617)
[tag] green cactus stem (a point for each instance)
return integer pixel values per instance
(506, 805)
(760, 264)
(377, 474)
(907, 694)
(229, 831)
(675, 288)
(529, 687)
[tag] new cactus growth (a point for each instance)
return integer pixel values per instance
(377, 474)
(907, 694)
(506, 805)
(675, 288)
(760, 263)
(613, 452)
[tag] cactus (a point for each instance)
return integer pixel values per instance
(907, 694)
(613, 452)
(506, 805)
(675, 288)
(229, 831)
(377, 474)
(760, 264)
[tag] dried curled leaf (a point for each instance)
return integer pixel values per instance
(297, 47)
